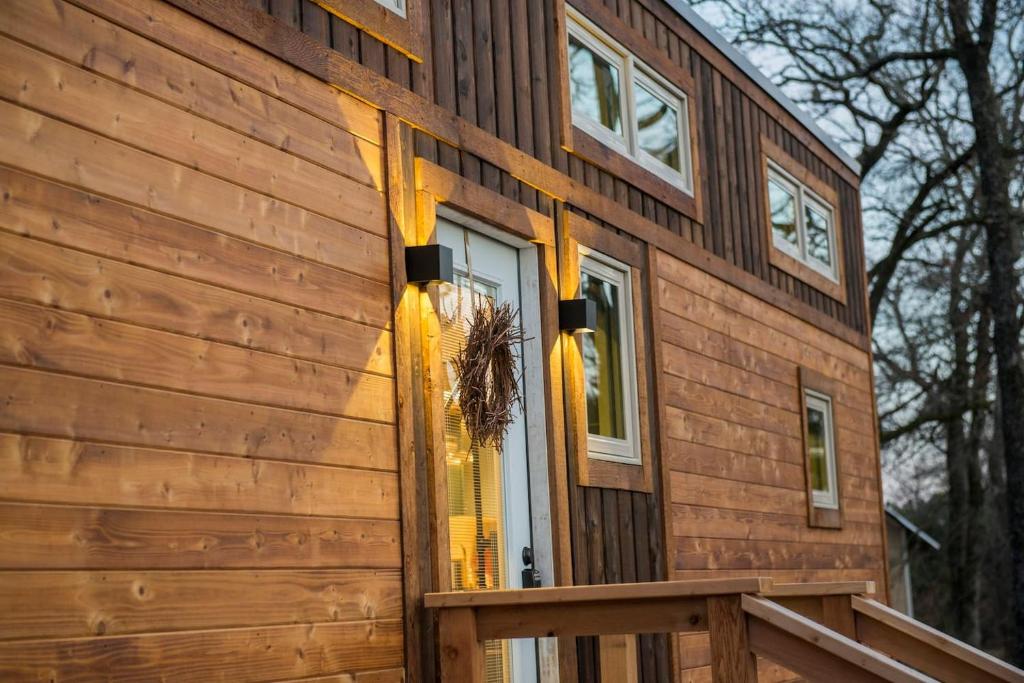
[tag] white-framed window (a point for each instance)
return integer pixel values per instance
(396, 6)
(821, 449)
(625, 104)
(609, 361)
(803, 224)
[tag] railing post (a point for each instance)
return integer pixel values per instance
(837, 614)
(462, 652)
(731, 658)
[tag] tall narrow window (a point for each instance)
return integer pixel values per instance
(609, 360)
(624, 104)
(821, 452)
(802, 223)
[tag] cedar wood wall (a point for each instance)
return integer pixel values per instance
(505, 82)
(197, 443)
(178, 384)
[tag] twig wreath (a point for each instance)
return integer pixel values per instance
(487, 367)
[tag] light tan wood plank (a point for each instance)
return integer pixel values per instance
(56, 150)
(46, 604)
(755, 556)
(695, 489)
(926, 648)
(47, 339)
(114, 413)
(50, 86)
(714, 289)
(165, 25)
(709, 461)
(787, 575)
(60, 471)
(696, 397)
(755, 331)
(701, 370)
(70, 280)
(238, 655)
(43, 209)
(61, 537)
(709, 522)
(719, 433)
(83, 38)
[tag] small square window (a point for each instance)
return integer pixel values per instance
(821, 452)
(609, 361)
(802, 224)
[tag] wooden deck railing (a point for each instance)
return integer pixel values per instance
(819, 631)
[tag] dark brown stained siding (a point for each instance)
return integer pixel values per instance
(503, 81)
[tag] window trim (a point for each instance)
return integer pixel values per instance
(576, 232)
(777, 165)
(625, 451)
(633, 69)
(405, 31)
(815, 387)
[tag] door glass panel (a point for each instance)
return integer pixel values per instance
(602, 360)
(819, 245)
(594, 86)
(783, 207)
(475, 519)
(657, 127)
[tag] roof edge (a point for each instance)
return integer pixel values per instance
(911, 527)
(711, 34)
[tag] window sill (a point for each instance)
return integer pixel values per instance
(805, 273)
(616, 162)
(406, 34)
(825, 518)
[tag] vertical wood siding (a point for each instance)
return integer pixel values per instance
(490, 64)
(197, 442)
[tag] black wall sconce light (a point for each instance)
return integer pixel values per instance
(577, 315)
(429, 263)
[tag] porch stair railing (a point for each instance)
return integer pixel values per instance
(820, 631)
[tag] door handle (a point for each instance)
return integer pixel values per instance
(531, 577)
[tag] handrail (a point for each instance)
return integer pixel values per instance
(599, 593)
(810, 650)
(467, 619)
(925, 648)
(819, 631)
(818, 590)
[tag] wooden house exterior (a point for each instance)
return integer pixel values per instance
(226, 416)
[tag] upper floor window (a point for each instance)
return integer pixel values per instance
(609, 360)
(802, 223)
(624, 104)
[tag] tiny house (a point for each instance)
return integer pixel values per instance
(231, 436)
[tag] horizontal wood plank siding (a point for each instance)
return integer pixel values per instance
(735, 450)
(198, 457)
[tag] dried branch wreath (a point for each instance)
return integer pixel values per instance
(487, 367)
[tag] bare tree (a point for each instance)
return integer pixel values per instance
(930, 95)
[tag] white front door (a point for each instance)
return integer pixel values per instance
(488, 493)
